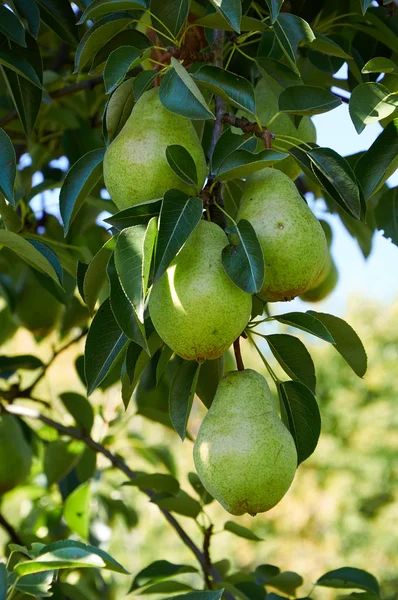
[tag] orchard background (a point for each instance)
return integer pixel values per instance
(70, 74)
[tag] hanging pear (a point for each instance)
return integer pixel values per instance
(135, 165)
(195, 307)
(244, 455)
(292, 239)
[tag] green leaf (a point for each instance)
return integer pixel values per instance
(119, 62)
(135, 362)
(69, 554)
(293, 357)
(3, 582)
(14, 61)
(347, 342)
(243, 259)
(104, 344)
(386, 215)
(307, 100)
(20, 361)
(217, 21)
(241, 163)
(139, 214)
(181, 504)
(167, 587)
(231, 11)
(380, 161)
(197, 485)
(80, 409)
(158, 482)
(380, 65)
(122, 308)
(8, 167)
(99, 8)
(327, 46)
(286, 582)
(290, 30)
(100, 33)
(170, 16)
(241, 531)
(159, 571)
(10, 218)
(78, 183)
(132, 260)
(95, 275)
(350, 578)
(306, 322)
(280, 72)
(274, 7)
(179, 94)
(37, 585)
(301, 415)
(182, 391)
(11, 26)
(227, 143)
(77, 510)
(164, 359)
(143, 82)
(60, 458)
(119, 108)
(179, 216)
(202, 595)
(233, 88)
(182, 164)
(365, 5)
(26, 95)
(28, 10)
(58, 15)
(339, 175)
(371, 102)
(27, 252)
(210, 375)
(265, 573)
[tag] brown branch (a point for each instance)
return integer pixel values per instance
(119, 464)
(185, 54)
(238, 356)
(14, 535)
(87, 84)
(217, 47)
(206, 551)
(249, 127)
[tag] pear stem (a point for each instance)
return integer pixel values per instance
(238, 356)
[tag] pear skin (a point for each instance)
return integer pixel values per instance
(292, 239)
(135, 165)
(244, 455)
(195, 307)
(324, 287)
(15, 454)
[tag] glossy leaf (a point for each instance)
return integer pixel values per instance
(182, 164)
(139, 214)
(104, 344)
(202, 595)
(11, 26)
(241, 531)
(301, 412)
(59, 16)
(242, 163)
(13, 61)
(170, 16)
(380, 65)
(280, 72)
(77, 510)
(347, 342)
(8, 167)
(27, 252)
(327, 46)
(28, 10)
(307, 100)
(231, 11)
(243, 259)
(78, 183)
(350, 578)
(159, 571)
(274, 6)
(99, 8)
(120, 61)
(143, 82)
(233, 88)
(10, 218)
(95, 275)
(69, 554)
(179, 93)
(365, 5)
(227, 143)
(179, 216)
(307, 322)
(290, 30)
(380, 161)
(210, 375)
(37, 585)
(217, 21)
(119, 108)
(293, 357)
(182, 391)
(386, 214)
(371, 102)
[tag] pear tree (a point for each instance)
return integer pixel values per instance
(161, 188)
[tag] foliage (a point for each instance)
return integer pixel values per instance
(70, 75)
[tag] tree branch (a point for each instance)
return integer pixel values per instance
(238, 356)
(14, 536)
(206, 552)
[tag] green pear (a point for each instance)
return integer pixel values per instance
(36, 309)
(324, 285)
(15, 454)
(135, 165)
(244, 455)
(195, 307)
(292, 239)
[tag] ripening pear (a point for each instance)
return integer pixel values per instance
(135, 165)
(292, 240)
(15, 454)
(36, 309)
(195, 307)
(324, 285)
(244, 455)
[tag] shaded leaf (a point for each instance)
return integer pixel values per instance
(77, 510)
(80, 409)
(380, 65)
(37, 585)
(197, 485)
(99, 8)
(8, 167)
(371, 102)
(139, 214)
(58, 15)
(21, 361)
(170, 16)
(350, 577)
(14, 62)
(289, 31)
(293, 357)
(274, 6)
(95, 274)
(286, 582)
(326, 45)
(241, 163)
(233, 88)
(158, 482)
(159, 571)
(307, 100)
(241, 531)
(307, 322)
(11, 26)
(143, 82)
(386, 214)
(231, 11)
(243, 261)
(28, 10)
(182, 391)
(60, 458)
(119, 62)
(182, 164)
(181, 504)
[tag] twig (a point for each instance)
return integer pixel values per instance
(118, 463)
(14, 536)
(185, 54)
(249, 127)
(87, 84)
(206, 551)
(238, 355)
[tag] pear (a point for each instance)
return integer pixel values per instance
(292, 239)
(195, 307)
(324, 285)
(15, 454)
(36, 309)
(135, 165)
(244, 455)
